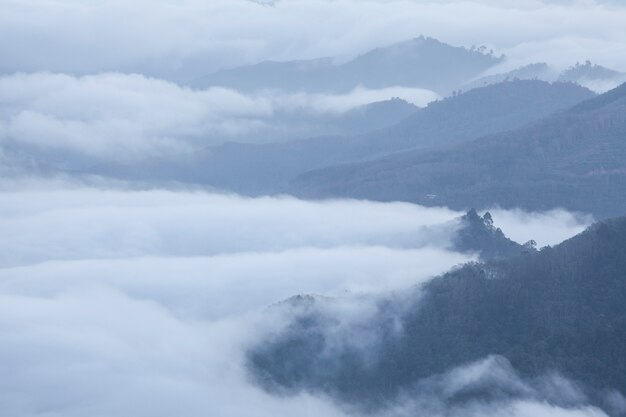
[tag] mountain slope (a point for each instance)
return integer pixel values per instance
(373, 116)
(421, 62)
(478, 235)
(559, 309)
(537, 71)
(255, 169)
(588, 71)
(574, 159)
(595, 77)
(494, 108)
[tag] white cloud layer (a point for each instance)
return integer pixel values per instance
(120, 116)
(146, 300)
(88, 223)
(115, 114)
(141, 303)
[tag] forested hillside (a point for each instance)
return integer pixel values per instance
(495, 108)
(574, 159)
(559, 309)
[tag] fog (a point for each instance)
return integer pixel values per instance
(64, 223)
(549, 395)
(129, 116)
(129, 302)
(546, 228)
(76, 82)
(126, 299)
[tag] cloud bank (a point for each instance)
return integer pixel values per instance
(90, 223)
(137, 303)
(140, 303)
(119, 116)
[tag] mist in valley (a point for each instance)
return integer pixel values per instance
(298, 208)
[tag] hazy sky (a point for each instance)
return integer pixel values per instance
(182, 39)
(130, 107)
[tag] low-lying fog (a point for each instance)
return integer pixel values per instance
(141, 303)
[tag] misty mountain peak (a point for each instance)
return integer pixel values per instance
(588, 70)
(424, 44)
(478, 234)
(421, 62)
(299, 301)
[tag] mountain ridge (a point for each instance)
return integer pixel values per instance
(268, 168)
(420, 62)
(556, 309)
(572, 159)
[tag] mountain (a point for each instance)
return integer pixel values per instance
(560, 309)
(256, 169)
(297, 124)
(301, 75)
(279, 127)
(265, 168)
(537, 71)
(373, 116)
(588, 71)
(574, 159)
(459, 118)
(477, 234)
(420, 62)
(593, 76)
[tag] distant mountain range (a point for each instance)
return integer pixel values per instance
(538, 71)
(595, 77)
(421, 62)
(297, 124)
(466, 116)
(589, 71)
(573, 159)
(258, 169)
(560, 309)
(373, 116)
(281, 126)
(521, 143)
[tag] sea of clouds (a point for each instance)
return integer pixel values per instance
(114, 116)
(120, 301)
(142, 302)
